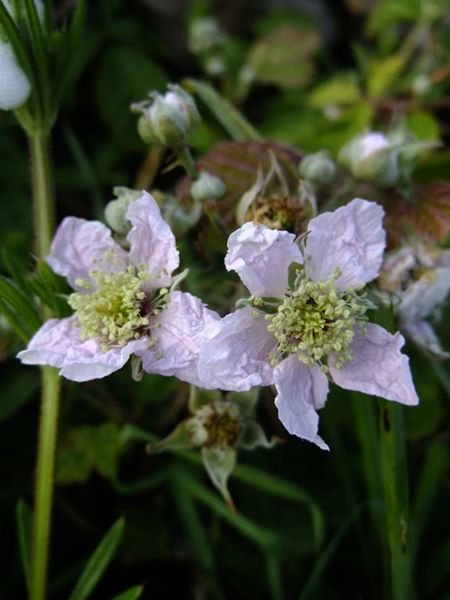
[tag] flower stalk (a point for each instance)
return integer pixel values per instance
(395, 485)
(48, 427)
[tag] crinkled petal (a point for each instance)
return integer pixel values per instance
(57, 343)
(351, 238)
(182, 327)
(81, 246)
(152, 242)
(237, 356)
(50, 344)
(301, 391)
(88, 361)
(261, 257)
(377, 367)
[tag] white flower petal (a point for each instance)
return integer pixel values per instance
(81, 246)
(261, 257)
(183, 326)
(301, 391)
(152, 242)
(424, 295)
(51, 342)
(422, 334)
(57, 343)
(377, 367)
(351, 238)
(88, 361)
(237, 356)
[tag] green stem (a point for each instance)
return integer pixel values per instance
(187, 161)
(42, 192)
(44, 482)
(48, 427)
(395, 482)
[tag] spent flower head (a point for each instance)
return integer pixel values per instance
(125, 302)
(305, 321)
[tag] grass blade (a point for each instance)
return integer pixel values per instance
(98, 562)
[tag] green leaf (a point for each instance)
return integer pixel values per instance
(392, 12)
(99, 562)
(282, 57)
(228, 116)
(19, 304)
(382, 74)
(341, 90)
(23, 523)
(88, 448)
(50, 288)
(133, 593)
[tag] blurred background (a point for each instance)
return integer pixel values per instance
(308, 75)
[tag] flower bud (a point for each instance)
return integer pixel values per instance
(207, 187)
(14, 85)
(169, 119)
(205, 35)
(371, 157)
(318, 168)
(116, 210)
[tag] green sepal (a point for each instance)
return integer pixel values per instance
(219, 463)
(253, 437)
(181, 438)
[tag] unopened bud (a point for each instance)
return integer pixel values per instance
(205, 35)
(169, 119)
(318, 168)
(371, 157)
(207, 187)
(116, 210)
(14, 85)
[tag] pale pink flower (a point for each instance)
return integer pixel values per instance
(304, 328)
(123, 302)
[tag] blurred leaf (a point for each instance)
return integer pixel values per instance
(16, 391)
(282, 57)
(88, 448)
(146, 537)
(133, 593)
(23, 523)
(138, 75)
(228, 116)
(382, 73)
(392, 12)
(431, 478)
(423, 125)
(98, 563)
(426, 214)
(19, 304)
(341, 90)
(50, 288)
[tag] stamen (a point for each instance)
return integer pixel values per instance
(117, 310)
(315, 319)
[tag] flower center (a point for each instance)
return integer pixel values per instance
(221, 422)
(315, 319)
(116, 311)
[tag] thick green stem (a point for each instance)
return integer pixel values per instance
(187, 162)
(395, 482)
(48, 427)
(42, 193)
(44, 482)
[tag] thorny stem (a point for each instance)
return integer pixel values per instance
(395, 483)
(48, 427)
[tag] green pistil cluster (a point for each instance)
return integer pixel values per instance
(315, 319)
(116, 311)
